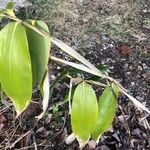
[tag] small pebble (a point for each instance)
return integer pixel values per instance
(70, 139)
(144, 66)
(140, 68)
(132, 83)
(92, 144)
(126, 66)
(140, 98)
(128, 73)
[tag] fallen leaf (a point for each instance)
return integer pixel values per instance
(125, 50)
(2, 119)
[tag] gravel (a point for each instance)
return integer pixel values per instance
(18, 3)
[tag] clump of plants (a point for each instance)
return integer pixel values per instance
(24, 55)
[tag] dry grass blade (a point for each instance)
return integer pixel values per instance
(96, 83)
(75, 65)
(69, 96)
(135, 101)
(46, 93)
(21, 137)
(64, 47)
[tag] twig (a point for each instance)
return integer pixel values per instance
(96, 83)
(32, 146)
(35, 145)
(13, 133)
(69, 96)
(13, 144)
(125, 122)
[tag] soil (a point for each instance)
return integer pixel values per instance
(21, 3)
(115, 33)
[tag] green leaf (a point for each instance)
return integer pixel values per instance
(66, 95)
(2, 12)
(15, 65)
(9, 9)
(2, 15)
(84, 112)
(39, 50)
(10, 5)
(107, 107)
(103, 69)
(57, 80)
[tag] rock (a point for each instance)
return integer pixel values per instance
(146, 75)
(42, 132)
(140, 98)
(70, 139)
(92, 144)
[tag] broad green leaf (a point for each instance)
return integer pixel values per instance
(90, 69)
(15, 65)
(107, 107)
(84, 112)
(39, 50)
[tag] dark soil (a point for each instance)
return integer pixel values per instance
(127, 56)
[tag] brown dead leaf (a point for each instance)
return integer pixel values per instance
(146, 75)
(125, 50)
(2, 119)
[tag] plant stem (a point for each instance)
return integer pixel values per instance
(96, 83)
